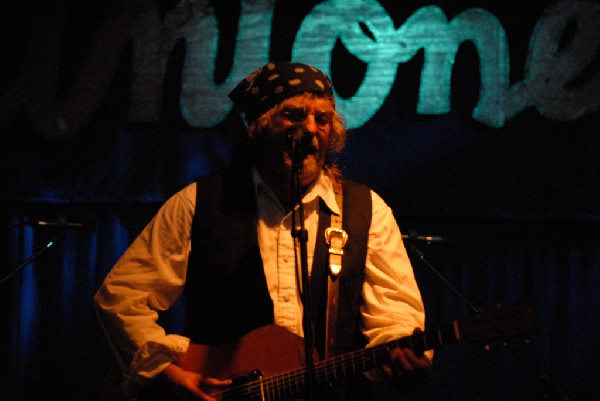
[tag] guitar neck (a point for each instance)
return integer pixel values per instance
(328, 371)
(369, 358)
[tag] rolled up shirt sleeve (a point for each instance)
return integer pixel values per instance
(147, 279)
(392, 306)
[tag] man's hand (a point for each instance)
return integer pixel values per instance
(406, 370)
(188, 385)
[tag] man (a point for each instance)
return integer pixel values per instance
(226, 243)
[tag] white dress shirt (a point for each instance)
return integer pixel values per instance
(150, 276)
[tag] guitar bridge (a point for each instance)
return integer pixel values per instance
(248, 387)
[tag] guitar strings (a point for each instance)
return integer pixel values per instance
(368, 358)
(291, 383)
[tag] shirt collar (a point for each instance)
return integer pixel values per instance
(321, 188)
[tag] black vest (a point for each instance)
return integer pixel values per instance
(226, 293)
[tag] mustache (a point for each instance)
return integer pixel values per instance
(298, 136)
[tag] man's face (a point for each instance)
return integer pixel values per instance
(314, 116)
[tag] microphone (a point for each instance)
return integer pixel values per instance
(300, 140)
(424, 238)
(62, 224)
(295, 135)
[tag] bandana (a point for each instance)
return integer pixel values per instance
(275, 82)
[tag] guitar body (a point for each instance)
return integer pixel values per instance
(266, 351)
(271, 349)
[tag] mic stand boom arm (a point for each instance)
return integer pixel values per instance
(33, 257)
(551, 385)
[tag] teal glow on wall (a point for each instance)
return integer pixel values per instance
(381, 48)
(563, 44)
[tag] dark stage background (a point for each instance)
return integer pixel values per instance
(109, 107)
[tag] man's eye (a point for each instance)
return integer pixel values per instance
(294, 115)
(298, 115)
(323, 118)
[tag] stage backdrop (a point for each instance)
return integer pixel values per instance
(475, 120)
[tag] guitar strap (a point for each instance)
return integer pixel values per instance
(336, 238)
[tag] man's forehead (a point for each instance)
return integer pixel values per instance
(308, 101)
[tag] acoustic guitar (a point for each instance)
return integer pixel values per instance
(268, 363)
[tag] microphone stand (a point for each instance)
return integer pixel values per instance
(549, 383)
(33, 257)
(299, 232)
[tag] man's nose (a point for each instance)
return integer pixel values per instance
(310, 124)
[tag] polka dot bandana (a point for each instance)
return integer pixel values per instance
(275, 82)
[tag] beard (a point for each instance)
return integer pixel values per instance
(272, 154)
(311, 168)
